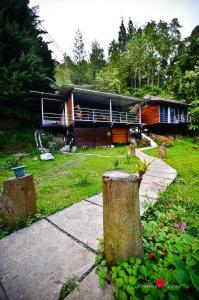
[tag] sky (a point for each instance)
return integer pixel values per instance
(100, 19)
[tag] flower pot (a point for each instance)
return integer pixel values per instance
(19, 171)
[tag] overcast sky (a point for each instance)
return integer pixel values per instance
(100, 19)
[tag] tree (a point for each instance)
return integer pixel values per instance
(130, 30)
(78, 50)
(25, 60)
(114, 54)
(96, 59)
(194, 114)
(122, 37)
(78, 66)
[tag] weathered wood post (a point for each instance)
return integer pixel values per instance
(121, 216)
(162, 151)
(18, 199)
(132, 150)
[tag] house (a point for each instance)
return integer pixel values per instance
(88, 117)
(163, 116)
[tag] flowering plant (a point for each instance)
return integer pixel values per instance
(170, 269)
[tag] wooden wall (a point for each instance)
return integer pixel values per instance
(69, 110)
(150, 114)
(92, 136)
(119, 135)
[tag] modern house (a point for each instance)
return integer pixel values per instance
(164, 116)
(90, 118)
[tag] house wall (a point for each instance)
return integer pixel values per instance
(70, 111)
(120, 135)
(150, 114)
(98, 136)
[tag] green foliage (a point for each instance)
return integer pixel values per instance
(142, 167)
(194, 114)
(25, 60)
(67, 288)
(170, 266)
(116, 163)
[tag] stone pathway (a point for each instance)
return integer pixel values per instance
(37, 260)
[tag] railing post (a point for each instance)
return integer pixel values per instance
(42, 111)
(126, 118)
(111, 116)
(93, 115)
(121, 217)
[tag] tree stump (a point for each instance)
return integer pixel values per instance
(162, 151)
(18, 199)
(132, 150)
(121, 217)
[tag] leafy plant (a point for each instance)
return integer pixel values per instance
(67, 288)
(170, 269)
(116, 163)
(142, 167)
(128, 158)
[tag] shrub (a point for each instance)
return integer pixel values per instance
(170, 268)
(143, 143)
(159, 139)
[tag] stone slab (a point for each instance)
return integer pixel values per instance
(160, 174)
(97, 199)
(36, 261)
(164, 182)
(89, 289)
(2, 293)
(82, 220)
(151, 190)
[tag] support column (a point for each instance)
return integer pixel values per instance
(111, 116)
(42, 110)
(73, 113)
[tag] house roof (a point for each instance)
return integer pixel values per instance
(156, 99)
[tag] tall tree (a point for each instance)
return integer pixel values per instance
(78, 66)
(96, 59)
(130, 30)
(122, 36)
(78, 50)
(25, 60)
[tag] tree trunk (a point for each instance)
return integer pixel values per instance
(18, 200)
(135, 80)
(121, 217)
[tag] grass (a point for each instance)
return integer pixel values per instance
(70, 177)
(185, 190)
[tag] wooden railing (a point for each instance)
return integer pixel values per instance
(99, 115)
(92, 115)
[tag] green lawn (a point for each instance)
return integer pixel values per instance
(70, 177)
(185, 190)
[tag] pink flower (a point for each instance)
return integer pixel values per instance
(160, 283)
(176, 225)
(151, 256)
(183, 227)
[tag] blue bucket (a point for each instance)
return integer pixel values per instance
(19, 171)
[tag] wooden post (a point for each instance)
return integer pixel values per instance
(132, 150)
(121, 217)
(162, 151)
(18, 199)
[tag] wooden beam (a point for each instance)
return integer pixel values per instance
(111, 116)
(42, 111)
(73, 114)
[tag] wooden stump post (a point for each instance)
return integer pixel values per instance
(18, 199)
(162, 151)
(121, 217)
(132, 150)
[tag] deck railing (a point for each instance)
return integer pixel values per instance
(177, 119)
(92, 115)
(53, 119)
(99, 115)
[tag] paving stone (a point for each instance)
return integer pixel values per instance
(151, 190)
(89, 289)
(2, 293)
(97, 199)
(82, 220)
(160, 174)
(37, 260)
(164, 182)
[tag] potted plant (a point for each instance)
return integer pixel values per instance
(19, 171)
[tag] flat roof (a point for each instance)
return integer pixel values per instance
(158, 99)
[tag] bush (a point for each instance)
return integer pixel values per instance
(143, 143)
(159, 139)
(170, 266)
